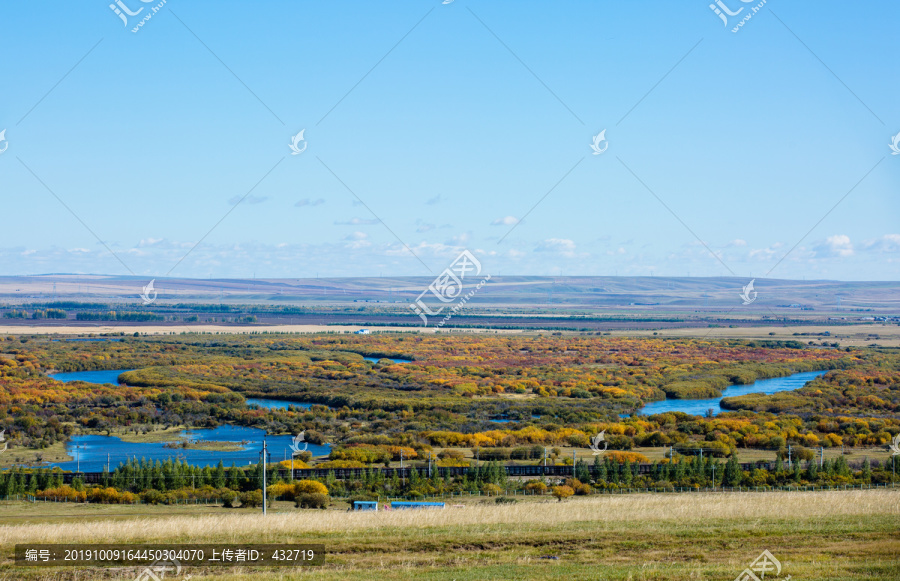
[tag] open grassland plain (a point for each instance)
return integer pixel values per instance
(822, 536)
(848, 335)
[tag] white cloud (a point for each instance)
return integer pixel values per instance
(507, 221)
(357, 240)
(560, 246)
(767, 253)
(889, 243)
(459, 240)
(837, 246)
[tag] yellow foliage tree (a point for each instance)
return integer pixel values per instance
(561, 492)
(309, 487)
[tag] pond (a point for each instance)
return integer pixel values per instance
(699, 407)
(279, 404)
(99, 377)
(91, 451)
(377, 359)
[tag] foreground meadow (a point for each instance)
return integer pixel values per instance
(816, 535)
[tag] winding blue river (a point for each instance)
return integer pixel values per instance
(699, 407)
(90, 452)
(100, 377)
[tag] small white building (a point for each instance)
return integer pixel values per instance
(363, 332)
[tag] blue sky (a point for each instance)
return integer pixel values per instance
(436, 127)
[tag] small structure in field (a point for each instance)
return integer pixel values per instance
(404, 504)
(364, 505)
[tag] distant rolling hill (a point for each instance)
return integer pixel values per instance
(511, 293)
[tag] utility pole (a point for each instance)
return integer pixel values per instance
(574, 461)
(822, 456)
(714, 475)
(264, 452)
(790, 463)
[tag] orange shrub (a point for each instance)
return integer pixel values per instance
(536, 487)
(63, 492)
(561, 492)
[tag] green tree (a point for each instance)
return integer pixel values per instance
(582, 472)
(812, 471)
(733, 474)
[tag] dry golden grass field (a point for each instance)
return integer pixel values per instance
(856, 335)
(822, 536)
